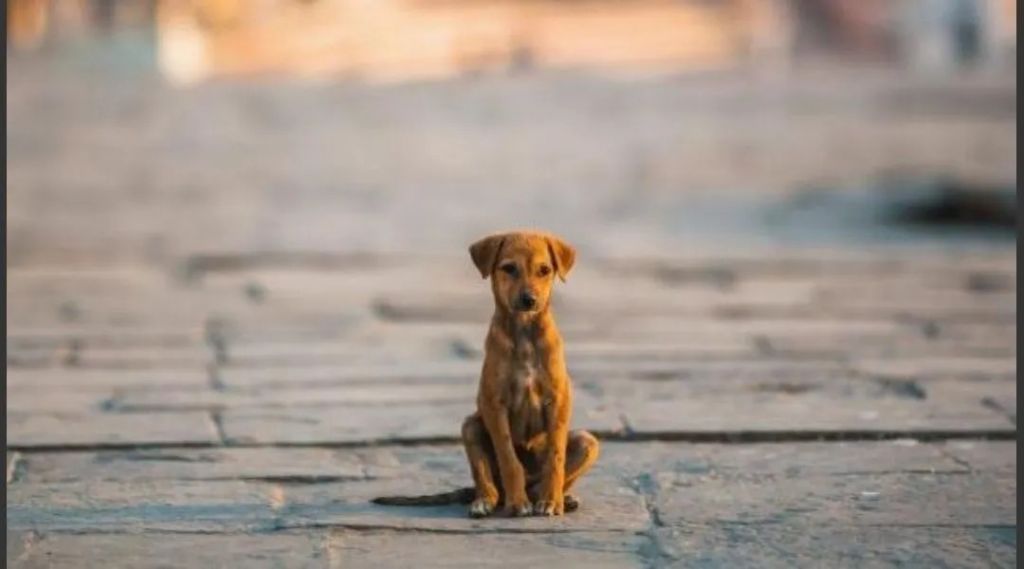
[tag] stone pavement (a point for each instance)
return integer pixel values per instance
(797, 411)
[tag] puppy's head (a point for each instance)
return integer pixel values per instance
(522, 267)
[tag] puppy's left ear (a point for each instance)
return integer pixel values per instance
(563, 255)
(485, 253)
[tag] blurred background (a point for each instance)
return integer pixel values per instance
(147, 131)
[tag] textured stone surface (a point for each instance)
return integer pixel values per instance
(146, 505)
(348, 424)
(991, 456)
(656, 503)
(870, 499)
(795, 545)
(295, 465)
(812, 405)
(184, 428)
(64, 379)
(396, 550)
(174, 550)
(337, 365)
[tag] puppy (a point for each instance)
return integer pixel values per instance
(523, 457)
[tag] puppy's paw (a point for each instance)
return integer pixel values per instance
(481, 508)
(548, 508)
(517, 509)
(572, 503)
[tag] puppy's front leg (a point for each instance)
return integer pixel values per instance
(551, 500)
(513, 479)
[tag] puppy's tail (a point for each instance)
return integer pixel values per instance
(460, 496)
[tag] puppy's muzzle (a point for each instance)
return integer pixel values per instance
(526, 301)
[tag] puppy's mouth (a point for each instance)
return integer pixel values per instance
(525, 304)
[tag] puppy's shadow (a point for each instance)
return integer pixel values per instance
(452, 511)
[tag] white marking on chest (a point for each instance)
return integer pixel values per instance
(525, 372)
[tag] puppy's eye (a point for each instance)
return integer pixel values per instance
(509, 269)
(544, 270)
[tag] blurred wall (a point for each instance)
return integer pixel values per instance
(389, 39)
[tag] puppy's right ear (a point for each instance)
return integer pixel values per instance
(485, 253)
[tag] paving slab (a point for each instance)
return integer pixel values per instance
(40, 401)
(348, 352)
(818, 545)
(174, 550)
(109, 337)
(397, 550)
(1004, 367)
(293, 465)
(105, 380)
(984, 456)
(838, 458)
(331, 396)
(106, 429)
(394, 422)
(873, 499)
(608, 506)
(341, 425)
(447, 370)
(811, 406)
(146, 505)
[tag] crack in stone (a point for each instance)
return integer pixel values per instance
(213, 371)
(956, 459)
(721, 437)
(216, 339)
(651, 552)
(994, 405)
(218, 426)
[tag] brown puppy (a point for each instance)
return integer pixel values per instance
(519, 446)
(522, 455)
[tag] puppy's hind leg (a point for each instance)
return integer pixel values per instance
(580, 455)
(482, 464)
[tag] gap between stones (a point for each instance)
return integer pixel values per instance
(724, 437)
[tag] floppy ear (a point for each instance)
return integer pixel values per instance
(563, 255)
(485, 253)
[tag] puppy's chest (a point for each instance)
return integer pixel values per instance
(526, 392)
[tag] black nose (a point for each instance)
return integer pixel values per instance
(527, 301)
